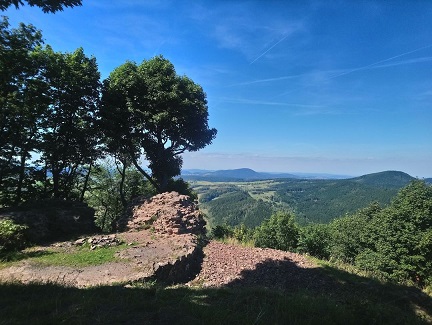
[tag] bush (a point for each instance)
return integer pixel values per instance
(400, 237)
(243, 234)
(222, 231)
(349, 234)
(182, 187)
(105, 196)
(315, 240)
(279, 232)
(11, 236)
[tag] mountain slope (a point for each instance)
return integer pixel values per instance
(385, 179)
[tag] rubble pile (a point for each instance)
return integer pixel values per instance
(99, 241)
(167, 213)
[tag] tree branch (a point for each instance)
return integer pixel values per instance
(142, 171)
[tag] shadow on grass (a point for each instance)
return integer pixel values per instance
(353, 298)
(276, 292)
(22, 255)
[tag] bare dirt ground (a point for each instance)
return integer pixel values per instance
(222, 265)
(233, 266)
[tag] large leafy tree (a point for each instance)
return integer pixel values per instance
(149, 110)
(22, 103)
(49, 105)
(46, 5)
(69, 133)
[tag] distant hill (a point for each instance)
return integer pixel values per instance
(385, 179)
(428, 181)
(247, 174)
(241, 174)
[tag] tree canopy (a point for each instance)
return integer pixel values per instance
(46, 5)
(149, 110)
(69, 133)
(55, 128)
(20, 102)
(49, 103)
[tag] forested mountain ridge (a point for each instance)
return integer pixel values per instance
(385, 179)
(311, 200)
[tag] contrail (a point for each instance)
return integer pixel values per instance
(358, 69)
(382, 61)
(265, 52)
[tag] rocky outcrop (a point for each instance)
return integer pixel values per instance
(166, 213)
(51, 220)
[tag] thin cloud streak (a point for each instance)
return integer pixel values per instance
(375, 65)
(345, 71)
(246, 83)
(260, 102)
(366, 67)
(268, 50)
(404, 62)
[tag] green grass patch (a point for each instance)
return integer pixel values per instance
(81, 256)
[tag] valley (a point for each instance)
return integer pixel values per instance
(234, 201)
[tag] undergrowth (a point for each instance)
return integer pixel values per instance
(234, 241)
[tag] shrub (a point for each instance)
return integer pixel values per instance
(11, 236)
(222, 231)
(182, 187)
(348, 234)
(315, 240)
(279, 232)
(243, 233)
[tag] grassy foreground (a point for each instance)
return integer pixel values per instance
(157, 304)
(348, 299)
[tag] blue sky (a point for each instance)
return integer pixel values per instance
(340, 87)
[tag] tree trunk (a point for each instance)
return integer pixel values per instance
(18, 193)
(163, 183)
(86, 183)
(56, 182)
(142, 171)
(122, 194)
